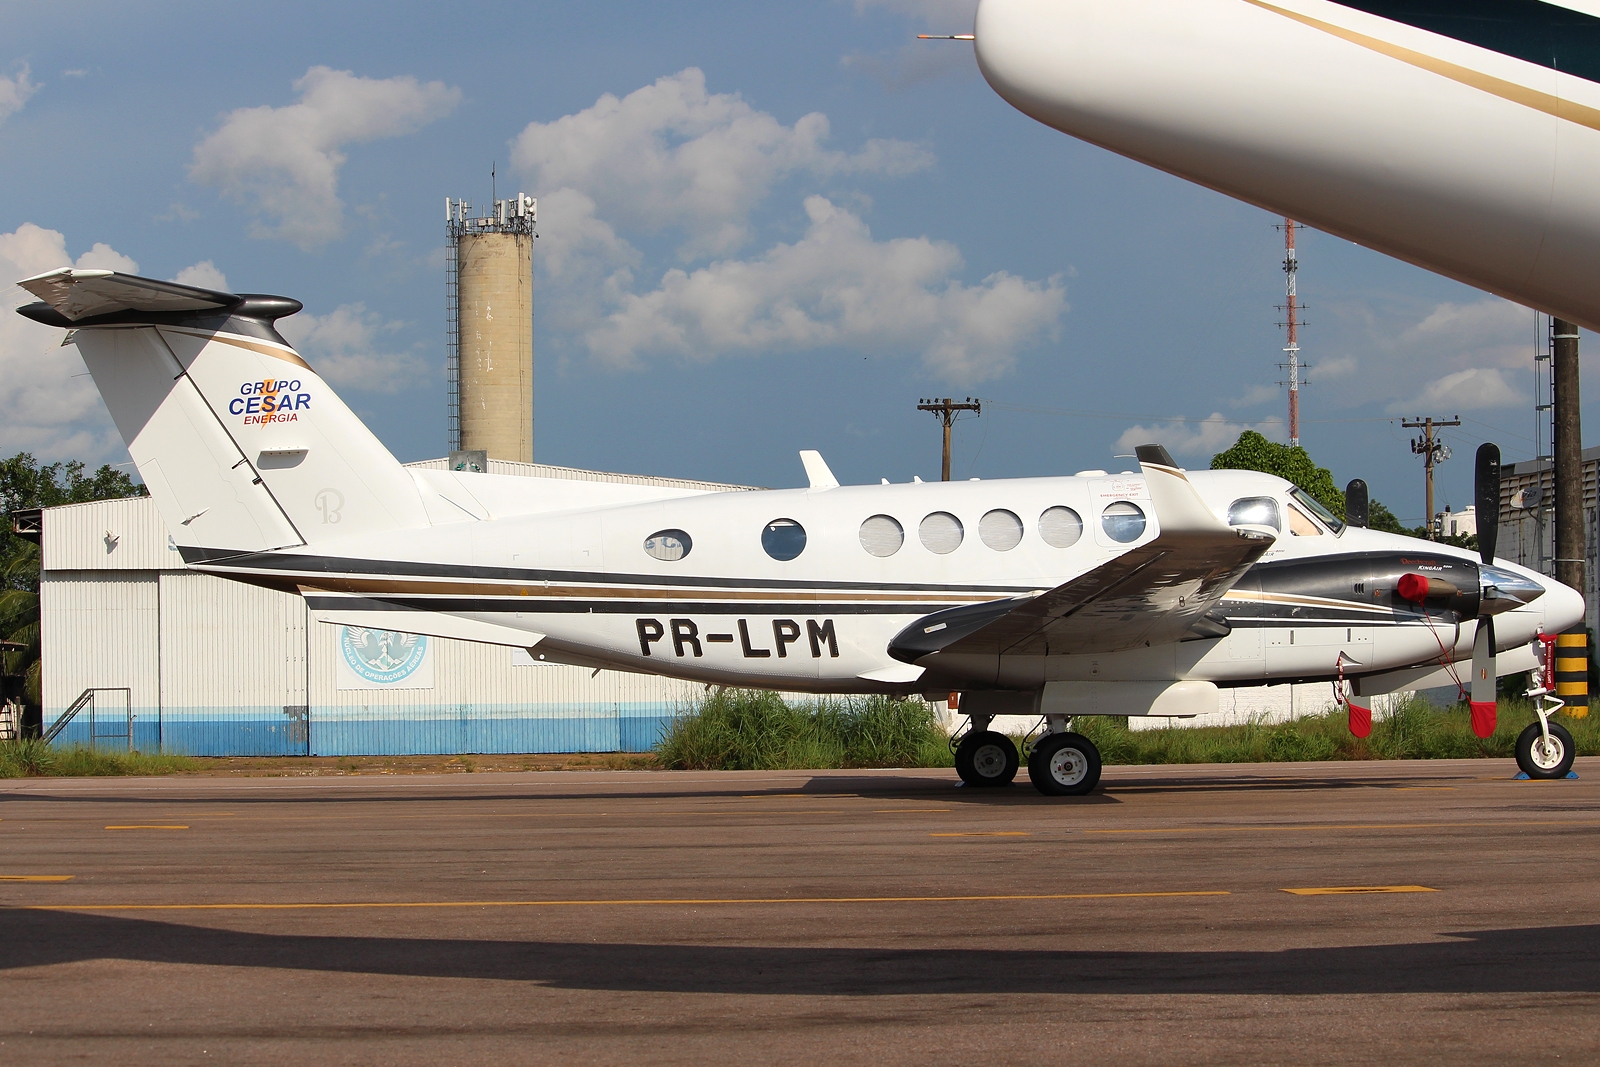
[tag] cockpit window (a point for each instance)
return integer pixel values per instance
(1300, 524)
(1313, 505)
(1254, 511)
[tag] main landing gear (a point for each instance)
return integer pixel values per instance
(1060, 764)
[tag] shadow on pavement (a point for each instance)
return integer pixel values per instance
(1537, 960)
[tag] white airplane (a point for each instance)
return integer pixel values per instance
(1461, 137)
(1137, 593)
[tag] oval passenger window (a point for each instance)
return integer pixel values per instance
(941, 532)
(1001, 530)
(1254, 511)
(882, 535)
(668, 545)
(1060, 527)
(1122, 521)
(783, 539)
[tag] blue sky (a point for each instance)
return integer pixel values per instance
(763, 228)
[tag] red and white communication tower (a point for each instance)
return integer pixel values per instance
(1292, 350)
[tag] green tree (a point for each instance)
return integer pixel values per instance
(24, 484)
(1253, 452)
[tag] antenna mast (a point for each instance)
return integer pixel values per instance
(1291, 264)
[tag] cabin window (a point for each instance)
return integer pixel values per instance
(1122, 521)
(1060, 527)
(668, 545)
(783, 539)
(1300, 524)
(941, 532)
(1254, 511)
(882, 535)
(1001, 530)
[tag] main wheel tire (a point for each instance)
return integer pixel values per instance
(987, 758)
(1538, 760)
(1064, 765)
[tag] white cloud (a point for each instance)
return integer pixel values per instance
(672, 155)
(836, 286)
(1469, 390)
(205, 275)
(284, 161)
(15, 92)
(1205, 437)
(346, 346)
(51, 405)
(1461, 356)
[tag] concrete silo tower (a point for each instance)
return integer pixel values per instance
(490, 329)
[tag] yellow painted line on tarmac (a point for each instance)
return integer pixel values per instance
(35, 877)
(986, 833)
(618, 903)
(1508, 825)
(1339, 890)
(148, 826)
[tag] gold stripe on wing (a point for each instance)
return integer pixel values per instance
(1548, 103)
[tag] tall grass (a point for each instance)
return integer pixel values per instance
(746, 729)
(738, 729)
(1407, 728)
(32, 758)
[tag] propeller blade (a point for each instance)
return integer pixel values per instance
(1486, 486)
(1355, 503)
(1483, 678)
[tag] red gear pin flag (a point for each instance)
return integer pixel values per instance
(1360, 714)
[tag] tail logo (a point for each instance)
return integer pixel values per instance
(271, 400)
(330, 502)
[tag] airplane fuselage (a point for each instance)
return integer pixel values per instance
(587, 585)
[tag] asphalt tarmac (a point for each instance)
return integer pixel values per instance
(1292, 913)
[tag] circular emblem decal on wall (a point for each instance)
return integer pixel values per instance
(382, 656)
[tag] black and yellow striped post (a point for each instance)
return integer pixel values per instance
(1572, 672)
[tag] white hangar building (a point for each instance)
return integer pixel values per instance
(190, 663)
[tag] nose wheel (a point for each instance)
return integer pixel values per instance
(1539, 756)
(1064, 765)
(986, 757)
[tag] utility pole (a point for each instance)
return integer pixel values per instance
(946, 410)
(1568, 454)
(1291, 305)
(1433, 452)
(1567, 450)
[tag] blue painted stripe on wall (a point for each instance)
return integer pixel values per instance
(379, 731)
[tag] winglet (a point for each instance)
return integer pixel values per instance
(817, 472)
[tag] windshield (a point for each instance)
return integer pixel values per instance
(1311, 504)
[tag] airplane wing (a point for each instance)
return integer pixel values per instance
(1152, 594)
(80, 294)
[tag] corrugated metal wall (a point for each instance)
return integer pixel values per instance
(482, 702)
(101, 629)
(221, 668)
(233, 668)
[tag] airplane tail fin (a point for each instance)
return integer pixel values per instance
(243, 446)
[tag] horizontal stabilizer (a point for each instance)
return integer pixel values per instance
(81, 294)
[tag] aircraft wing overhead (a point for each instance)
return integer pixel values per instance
(80, 294)
(1152, 594)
